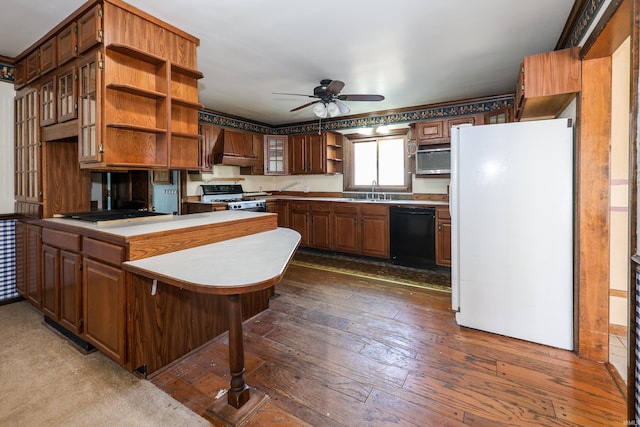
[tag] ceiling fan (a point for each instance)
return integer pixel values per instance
(329, 100)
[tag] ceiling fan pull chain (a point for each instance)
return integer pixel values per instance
(319, 125)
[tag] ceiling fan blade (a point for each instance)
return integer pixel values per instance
(293, 94)
(342, 106)
(304, 106)
(334, 87)
(360, 97)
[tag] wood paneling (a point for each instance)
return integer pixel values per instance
(592, 322)
(175, 321)
(66, 187)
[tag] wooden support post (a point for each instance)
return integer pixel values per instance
(238, 393)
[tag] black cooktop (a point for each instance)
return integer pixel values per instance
(109, 215)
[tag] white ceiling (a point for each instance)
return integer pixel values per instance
(414, 52)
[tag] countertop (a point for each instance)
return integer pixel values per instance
(353, 200)
(340, 199)
(150, 225)
(243, 264)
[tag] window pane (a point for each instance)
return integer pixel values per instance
(364, 163)
(391, 165)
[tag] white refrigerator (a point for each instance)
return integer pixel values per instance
(511, 202)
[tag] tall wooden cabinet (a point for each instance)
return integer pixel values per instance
(137, 87)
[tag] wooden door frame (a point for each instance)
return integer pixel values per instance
(620, 20)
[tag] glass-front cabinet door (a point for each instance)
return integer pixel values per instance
(89, 109)
(67, 108)
(275, 155)
(27, 146)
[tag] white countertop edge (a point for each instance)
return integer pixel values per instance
(238, 262)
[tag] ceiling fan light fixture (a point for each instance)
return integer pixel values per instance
(333, 109)
(320, 110)
(342, 106)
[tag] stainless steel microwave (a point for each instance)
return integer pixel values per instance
(434, 161)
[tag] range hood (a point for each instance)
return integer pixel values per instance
(235, 148)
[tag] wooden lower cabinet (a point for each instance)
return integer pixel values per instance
(374, 222)
(71, 291)
(62, 278)
(443, 237)
(346, 236)
(62, 287)
(357, 228)
(299, 220)
(320, 227)
(32, 265)
(282, 209)
(104, 308)
(51, 281)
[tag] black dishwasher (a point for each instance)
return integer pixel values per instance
(413, 236)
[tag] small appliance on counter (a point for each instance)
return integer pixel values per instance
(233, 196)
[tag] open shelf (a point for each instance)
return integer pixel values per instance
(136, 91)
(189, 72)
(135, 53)
(185, 103)
(186, 135)
(136, 128)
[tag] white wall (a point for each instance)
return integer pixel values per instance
(6, 148)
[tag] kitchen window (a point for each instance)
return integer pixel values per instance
(380, 159)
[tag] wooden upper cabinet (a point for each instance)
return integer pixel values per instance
(19, 75)
(546, 84)
(32, 66)
(89, 27)
(316, 154)
(134, 88)
(48, 60)
(67, 44)
(438, 131)
(308, 154)
(429, 131)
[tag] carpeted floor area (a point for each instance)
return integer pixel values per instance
(45, 381)
(380, 270)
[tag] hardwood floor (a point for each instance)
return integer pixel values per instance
(338, 350)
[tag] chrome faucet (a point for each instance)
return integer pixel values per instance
(373, 189)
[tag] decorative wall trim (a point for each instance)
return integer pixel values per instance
(441, 111)
(228, 122)
(583, 22)
(7, 73)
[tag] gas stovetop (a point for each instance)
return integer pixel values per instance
(232, 195)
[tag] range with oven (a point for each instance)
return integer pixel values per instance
(233, 196)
